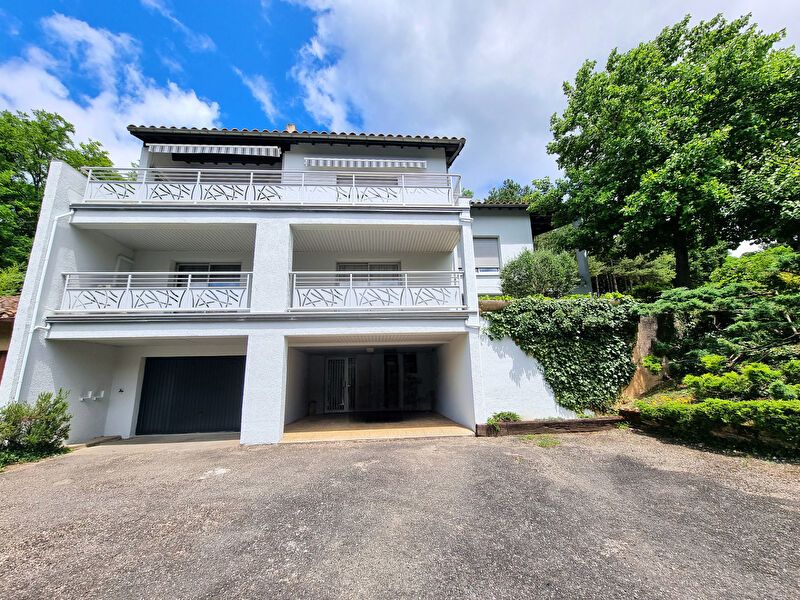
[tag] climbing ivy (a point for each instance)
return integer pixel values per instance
(584, 344)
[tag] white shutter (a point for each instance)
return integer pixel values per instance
(487, 253)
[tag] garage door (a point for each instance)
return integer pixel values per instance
(191, 394)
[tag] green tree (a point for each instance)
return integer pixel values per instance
(510, 192)
(27, 146)
(544, 272)
(683, 142)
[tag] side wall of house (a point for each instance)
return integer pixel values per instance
(510, 380)
(455, 398)
(513, 230)
(34, 365)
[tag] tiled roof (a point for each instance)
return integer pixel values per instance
(8, 306)
(147, 133)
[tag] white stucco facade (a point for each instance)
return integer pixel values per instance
(388, 263)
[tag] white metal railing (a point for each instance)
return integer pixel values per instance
(221, 186)
(370, 290)
(157, 292)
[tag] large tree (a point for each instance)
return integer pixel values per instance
(683, 142)
(27, 145)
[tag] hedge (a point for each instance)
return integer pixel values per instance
(771, 424)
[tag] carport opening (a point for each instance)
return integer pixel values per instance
(371, 386)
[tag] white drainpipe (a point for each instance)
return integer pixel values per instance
(36, 302)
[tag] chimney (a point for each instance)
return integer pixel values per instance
(290, 128)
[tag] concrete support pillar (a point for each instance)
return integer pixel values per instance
(466, 255)
(264, 388)
(272, 262)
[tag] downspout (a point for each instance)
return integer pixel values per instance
(36, 302)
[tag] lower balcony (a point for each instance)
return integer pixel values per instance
(376, 290)
(224, 291)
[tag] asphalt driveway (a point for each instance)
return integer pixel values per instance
(607, 515)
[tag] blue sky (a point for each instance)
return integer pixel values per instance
(489, 71)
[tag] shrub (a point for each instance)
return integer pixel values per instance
(11, 279)
(771, 423)
(784, 391)
(544, 272)
(505, 416)
(653, 364)
(791, 371)
(40, 428)
(760, 377)
(708, 385)
(713, 363)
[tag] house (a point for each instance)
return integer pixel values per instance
(242, 280)
(8, 311)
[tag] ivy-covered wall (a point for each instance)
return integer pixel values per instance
(584, 344)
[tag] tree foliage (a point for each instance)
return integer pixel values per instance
(682, 142)
(748, 312)
(510, 192)
(543, 272)
(27, 145)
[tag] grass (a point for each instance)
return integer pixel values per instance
(543, 441)
(11, 458)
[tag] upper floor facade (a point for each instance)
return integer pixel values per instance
(228, 168)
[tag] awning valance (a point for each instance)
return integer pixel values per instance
(364, 163)
(209, 149)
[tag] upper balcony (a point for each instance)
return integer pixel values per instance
(222, 187)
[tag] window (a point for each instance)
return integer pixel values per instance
(210, 280)
(487, 255)
(381, 277)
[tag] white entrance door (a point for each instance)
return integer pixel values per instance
(340, 375)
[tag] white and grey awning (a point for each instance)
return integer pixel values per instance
(274, 151)
(364, 163)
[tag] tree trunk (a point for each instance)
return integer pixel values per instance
(681, 248)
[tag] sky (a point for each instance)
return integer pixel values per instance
(490, 71)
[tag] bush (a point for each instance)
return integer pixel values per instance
(756, 380)
(544, 272)
(791, 371)
(11, 279)
(767, 423)
(38, 428)
(713, 363)
(653, 364)
(504, 416)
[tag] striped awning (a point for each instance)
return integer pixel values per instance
(364, 163)
(207, 149)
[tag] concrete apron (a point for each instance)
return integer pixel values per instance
(337, 428)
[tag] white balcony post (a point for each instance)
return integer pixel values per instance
(403, 189)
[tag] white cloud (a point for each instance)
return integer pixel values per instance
(125, 94)
(490, 71)
(261, 91)
(196, 41)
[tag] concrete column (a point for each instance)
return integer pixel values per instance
(583, 270)
(272, 261)
(264, 388)
(467, 259)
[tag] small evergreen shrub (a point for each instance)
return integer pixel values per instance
(653, 364)
(765, 423)
(713, 363)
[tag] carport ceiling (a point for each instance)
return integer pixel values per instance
(202, 237)
(383, 339)
(376, 239)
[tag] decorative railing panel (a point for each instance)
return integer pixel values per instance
(156, 292)
(377, 290)
(235, 186)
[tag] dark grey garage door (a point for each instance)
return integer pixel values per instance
(191, 394)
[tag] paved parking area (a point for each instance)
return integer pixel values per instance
(606, 515)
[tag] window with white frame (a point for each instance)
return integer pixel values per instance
(487, 254)
(219, 274)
